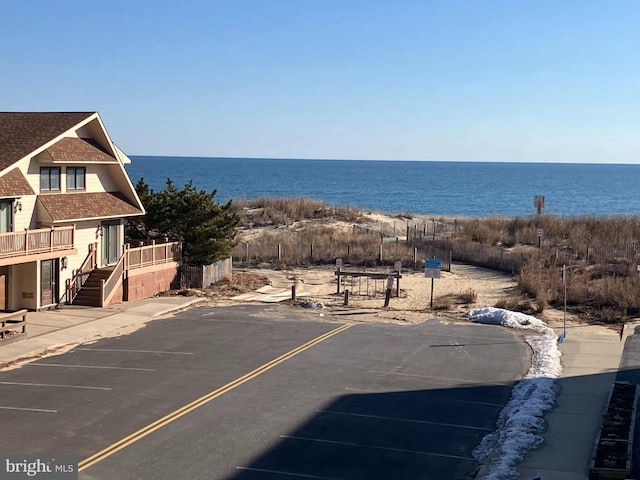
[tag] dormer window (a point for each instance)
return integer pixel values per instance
(75, 178)
(49, 179)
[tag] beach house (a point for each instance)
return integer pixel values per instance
(65, 198)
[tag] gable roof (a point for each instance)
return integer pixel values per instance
(73, 149)
(23, 132)
(13, 184)
(63, 207)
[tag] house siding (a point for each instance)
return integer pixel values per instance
(25, 291)
(23, 279)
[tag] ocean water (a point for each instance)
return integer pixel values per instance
(469, 189)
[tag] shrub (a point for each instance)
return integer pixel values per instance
(468, 296)
(445, 302)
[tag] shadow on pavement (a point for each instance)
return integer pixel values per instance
(401, 435)
(426, 434)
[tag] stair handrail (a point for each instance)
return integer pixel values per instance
(110, 285)
(79, 277)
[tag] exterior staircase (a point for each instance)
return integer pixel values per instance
(89, 294)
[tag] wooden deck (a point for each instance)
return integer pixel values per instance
(35, 243)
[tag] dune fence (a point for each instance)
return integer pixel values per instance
(326, 244)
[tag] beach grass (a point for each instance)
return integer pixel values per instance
(602, 280)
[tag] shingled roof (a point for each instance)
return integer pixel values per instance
(13, 184)
(73, 149)
(77, 206)
(23, 132)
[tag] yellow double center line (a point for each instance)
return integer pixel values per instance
(176, 414)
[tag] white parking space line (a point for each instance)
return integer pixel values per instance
(442, 379)
(409, 420)
(90, 366)
(29, 409)
(83, 387)
(131, 351)
(280, 472)
(488, 404)
(375, 447)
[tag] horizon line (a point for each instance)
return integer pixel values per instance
(313, 159)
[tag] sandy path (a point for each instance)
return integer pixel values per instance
(319, 284)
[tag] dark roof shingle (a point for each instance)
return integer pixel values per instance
(23, 132)
(13, 184)
(75, 206)
(73, 149)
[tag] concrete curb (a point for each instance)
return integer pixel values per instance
(178, 309)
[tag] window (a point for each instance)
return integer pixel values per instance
(49, 179)
(75, 178)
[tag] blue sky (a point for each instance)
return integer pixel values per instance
(473, 80)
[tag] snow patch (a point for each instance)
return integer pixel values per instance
(521, 421)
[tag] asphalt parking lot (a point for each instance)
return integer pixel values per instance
(226, 393)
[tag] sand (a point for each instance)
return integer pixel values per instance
(318, 285)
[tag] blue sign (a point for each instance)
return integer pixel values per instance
(433, 263)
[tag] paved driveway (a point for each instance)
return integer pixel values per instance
(225, 393)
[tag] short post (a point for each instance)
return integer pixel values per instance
(540, 233)
(279, 252)
(346, 296)
(387, 296)
(564, 316)
(338, 274)
(293, 292)
(432, 293)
